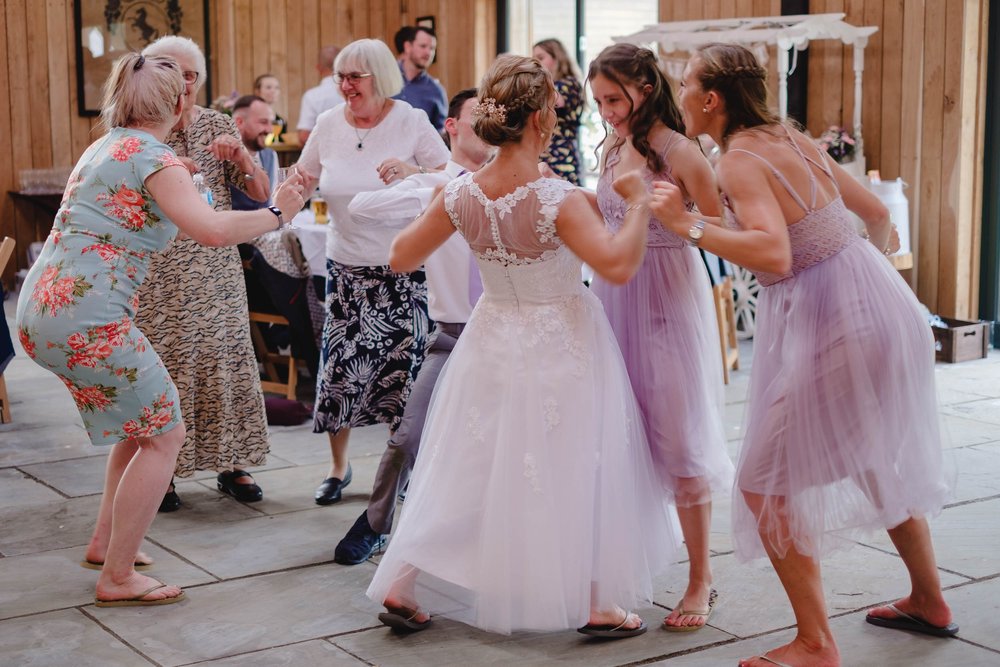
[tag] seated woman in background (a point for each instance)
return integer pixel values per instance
(268, 88)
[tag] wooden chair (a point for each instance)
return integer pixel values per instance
(6, 250)
(725, 315)
(268, 359)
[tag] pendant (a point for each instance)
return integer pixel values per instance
(360, 146)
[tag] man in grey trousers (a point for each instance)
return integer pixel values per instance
(453, 288)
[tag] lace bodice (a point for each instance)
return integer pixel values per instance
(514, 239)
(613, 206)
(820, 234)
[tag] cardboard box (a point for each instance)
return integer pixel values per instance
(961, 341)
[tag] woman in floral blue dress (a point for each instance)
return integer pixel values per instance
(126, 198)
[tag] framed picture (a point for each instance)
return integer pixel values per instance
(108, 29)
(426, 22)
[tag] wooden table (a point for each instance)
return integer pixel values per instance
(902, 261)
(46, 201)
(288, 153)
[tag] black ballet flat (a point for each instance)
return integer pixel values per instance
(245, 493)
(171, 501)
(329, 492)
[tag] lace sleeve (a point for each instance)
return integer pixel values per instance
(450, 197)
(551, 195)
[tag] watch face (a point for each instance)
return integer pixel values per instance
(696, 232)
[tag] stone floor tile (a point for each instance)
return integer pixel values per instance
(72, 477)
(292, 489)
(860, 644)
(978, 471)
(733, 420)
(45, 526)
(317, 652)
(960, 432)
(55, 580)
(201, 506)
(228, 618)
(262, 544)
(451, 643)
(985, 410)
(751, 599)
(63, 639)
(301, 446)
(966, 539)
(976, 610)
(17, 488)
(23, 445)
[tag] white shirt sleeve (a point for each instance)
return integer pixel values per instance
(307, 112)
(399, 205)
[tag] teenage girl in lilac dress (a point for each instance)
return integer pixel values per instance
(842, 431)
(664, 318)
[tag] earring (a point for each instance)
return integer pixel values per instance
(704, 109)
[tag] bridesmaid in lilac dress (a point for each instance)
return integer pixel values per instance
(842, 432)
(664, 318)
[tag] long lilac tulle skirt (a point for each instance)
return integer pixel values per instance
(842, 434)
(664, 320)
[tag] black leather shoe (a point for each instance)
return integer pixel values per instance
(171, 501)
(328, 492)
(359, 544)
(245, 493)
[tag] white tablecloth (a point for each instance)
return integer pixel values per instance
(312, 237)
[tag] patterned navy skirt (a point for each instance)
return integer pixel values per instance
(373, 345)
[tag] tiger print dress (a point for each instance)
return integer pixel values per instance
(193, 308)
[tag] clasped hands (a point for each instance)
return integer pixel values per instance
(665, 202)
(392, 169)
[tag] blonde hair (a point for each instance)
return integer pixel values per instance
(565, 67)
(177, 46)
(141, 91)
(513, 88)
(374, 57)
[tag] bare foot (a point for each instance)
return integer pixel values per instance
(935, 612)
(615, 617)
(697, 598)
(398, 605)
(797, 654)
(135, 585)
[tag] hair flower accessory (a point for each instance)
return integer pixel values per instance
(488, 108)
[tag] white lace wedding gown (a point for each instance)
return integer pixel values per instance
(534, 489)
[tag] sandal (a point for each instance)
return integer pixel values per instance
(400, 619)
(684, 612)
(609, 631)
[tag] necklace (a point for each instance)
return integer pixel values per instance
(361, 139)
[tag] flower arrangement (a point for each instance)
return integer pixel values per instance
(838, 143)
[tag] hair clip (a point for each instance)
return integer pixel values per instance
(488, 108)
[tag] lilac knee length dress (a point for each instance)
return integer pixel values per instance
(664, 320)
(842, 433)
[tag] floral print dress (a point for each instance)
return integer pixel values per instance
(563, 155)
(75, 315)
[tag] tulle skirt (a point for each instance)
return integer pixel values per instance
(664, 320)
(842, 434)
(533, 493)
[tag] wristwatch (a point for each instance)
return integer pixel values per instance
(277, 212)
(249, 175)
(695, 232)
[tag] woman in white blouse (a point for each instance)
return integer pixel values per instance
(376, 320)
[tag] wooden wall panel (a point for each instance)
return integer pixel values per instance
(922, 118)
(247, 38)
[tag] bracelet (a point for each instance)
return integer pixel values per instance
(633, 207)
(423, 170)
(278, 214)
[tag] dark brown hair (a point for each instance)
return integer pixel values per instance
(627, 64)
(565, 67)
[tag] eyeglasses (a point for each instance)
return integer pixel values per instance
(353, 77)
(190, 77)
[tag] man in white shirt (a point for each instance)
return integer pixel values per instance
(324, 96)
(453, 287)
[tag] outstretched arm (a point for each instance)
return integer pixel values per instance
(174, 191)
(420, 238)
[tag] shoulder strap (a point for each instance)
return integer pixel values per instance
(778, 175)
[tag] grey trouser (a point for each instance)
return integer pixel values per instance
(401, 449)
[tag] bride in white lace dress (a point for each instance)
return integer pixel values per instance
(533, 503)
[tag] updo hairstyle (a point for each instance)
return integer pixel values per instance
(513, 88)
(141, 91)
(734, 73)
